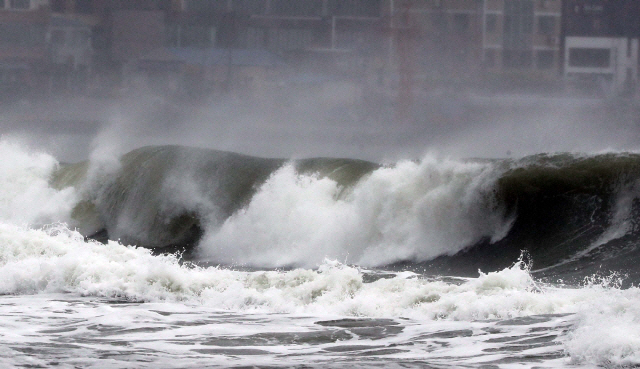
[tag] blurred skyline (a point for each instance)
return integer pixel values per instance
(371, 79)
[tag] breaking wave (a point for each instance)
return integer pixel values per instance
(573, 214)
(56, 259)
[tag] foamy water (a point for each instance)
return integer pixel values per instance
(121, 303)
(411, 211)
(69, 302)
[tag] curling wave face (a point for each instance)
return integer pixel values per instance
(571, 213)
(270, 212)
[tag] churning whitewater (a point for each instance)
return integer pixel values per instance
(181, 257)
(275, 213)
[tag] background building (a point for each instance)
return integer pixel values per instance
(522, 35)
(392, 50)
(69, 41)
(498, 44)
(601, 45)
(24, 57)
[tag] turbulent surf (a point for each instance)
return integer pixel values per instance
(565, 210)
(210, 258)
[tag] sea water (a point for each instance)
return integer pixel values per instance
(300, 274)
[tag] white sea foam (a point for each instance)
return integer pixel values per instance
(607, 331)
(411, 211)
(56, 259)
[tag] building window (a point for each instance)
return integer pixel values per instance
(593, 8)
(17, 34)
(490, 58)
(518, 16)
(518, 34)
(296, 8)
(285, 39)
(57, 37)
(190, 35)
(440, 23)
(356, 8)
(207, 5)
(589, 58)
(545, 59)
(517, 58)
(251, 7)
(254, 38)
(491, 23)
(80, 38)
(84, 6)
(20, 4)
(461, 23)
(546, 25)
(518, 24)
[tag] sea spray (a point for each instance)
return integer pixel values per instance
(607, 329)
(25, 194)
(410, 211)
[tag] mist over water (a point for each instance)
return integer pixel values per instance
(458, 127)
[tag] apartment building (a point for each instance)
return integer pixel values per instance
(474, 40)
(335, 35)
(279, 25)
(24, 56)
(23, 4)
(522, 34)
(444, 36)
(601, 45)
(70, 51)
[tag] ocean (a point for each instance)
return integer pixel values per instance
(182, 257)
